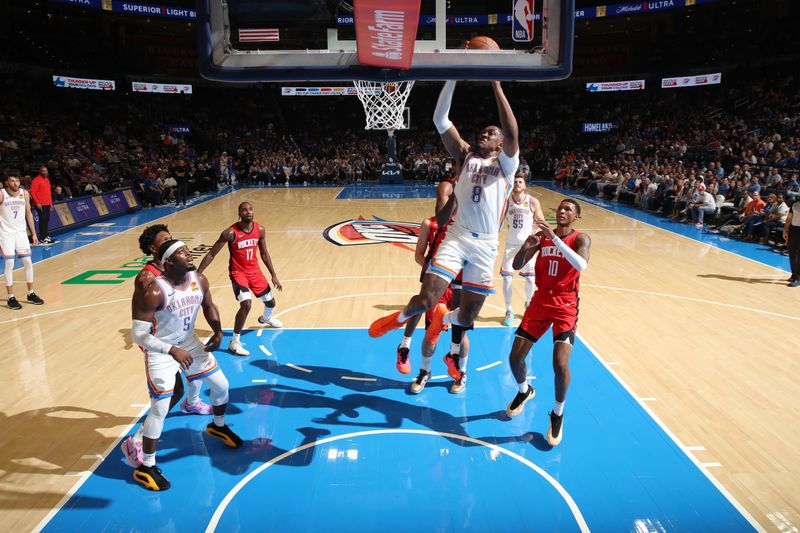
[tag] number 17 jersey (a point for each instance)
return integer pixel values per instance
(244, 249)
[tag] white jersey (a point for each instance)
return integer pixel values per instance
(12, 212)
(520, 220)
(482, 191)
(174, 322)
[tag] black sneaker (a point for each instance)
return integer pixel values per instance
(420, 381)
(555, 431)
(795, 283)
(225, 434)
(35, 300)
(516, 405)
(150, 477)
(13, 303)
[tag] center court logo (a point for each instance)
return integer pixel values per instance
(361, 231)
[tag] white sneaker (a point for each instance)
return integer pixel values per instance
(236, 348)
(271, 323)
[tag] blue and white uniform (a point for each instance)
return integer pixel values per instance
(481, 194)
(520, 226)
(13, 236)
(174, 324)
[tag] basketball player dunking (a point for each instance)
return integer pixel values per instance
(563, 255)
(477, 206)
(245, 240)
(171, 303)
(523, 211)
(15, 211)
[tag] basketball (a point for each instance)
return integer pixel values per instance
(482, 42)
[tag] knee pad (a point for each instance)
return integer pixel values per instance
(154, 422)
(244, 296)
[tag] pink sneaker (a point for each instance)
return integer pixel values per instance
(132, 451)
(197, 408)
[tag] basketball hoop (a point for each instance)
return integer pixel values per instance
(383, 102)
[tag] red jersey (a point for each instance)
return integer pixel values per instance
(554, 274)
(244, 249)
(150, 267)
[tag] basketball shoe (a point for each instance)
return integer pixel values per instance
(451, 360)
(437, 325)
(556, 429)
(197, 408)
(132, 451)
(225, 434)
(151, 478)
(420, 381)
(403, 362)
(385, 324)
(236, 348)
(270, 322)
(34, 299)
(13, 303)
(515, 407)
(459, 384)
(509, 318)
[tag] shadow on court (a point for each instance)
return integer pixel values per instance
(782, 280)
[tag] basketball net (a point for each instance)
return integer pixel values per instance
(383, 102)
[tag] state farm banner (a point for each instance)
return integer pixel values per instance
(691, 81)
(163, 88)
(385, 36)
(324, 91)
(606, 86)
(69, 82)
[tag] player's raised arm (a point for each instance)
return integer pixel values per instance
(507, 121)
(526, 252)
(224, 238)
(262, 248)
(211, 313)
(453, 143)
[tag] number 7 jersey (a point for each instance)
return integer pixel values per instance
(482, 192)
(554, 274)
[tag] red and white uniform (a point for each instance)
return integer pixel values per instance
(481, 195)
(243, 266)
(13, 235)
(435, 237)
(555, 301)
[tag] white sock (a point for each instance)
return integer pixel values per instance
(455, 348)
(219, 421)
(530, 286)
(523, 387)
(137, 437)
(452, 318)
(462, 363)
(406, 342)
(507, 280)
(149, 459)
(235, 337)
(426, 363)
(267, 313)
(558, 408)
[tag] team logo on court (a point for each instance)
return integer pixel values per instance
(362, 231)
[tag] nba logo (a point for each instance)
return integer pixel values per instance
(522, 27)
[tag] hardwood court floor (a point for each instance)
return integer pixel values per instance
(707, 339)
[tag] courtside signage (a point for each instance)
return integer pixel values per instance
(68, 82)
(324, 91)
(162, 88)
(596, 127)
(691, 81)
(608, 86)
(358, 232)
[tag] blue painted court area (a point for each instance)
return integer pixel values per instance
(334, 442)
(757, 252)
(387, 192)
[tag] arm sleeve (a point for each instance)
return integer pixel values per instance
(572, 257)
(140, 334)
(509, 164)
(440, 114)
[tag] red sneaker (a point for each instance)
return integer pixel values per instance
(384, 325)
(451, 360)
(403, 361)
(437, 326)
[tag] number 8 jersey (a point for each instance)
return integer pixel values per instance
(482, 192)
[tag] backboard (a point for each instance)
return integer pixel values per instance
(315, 40)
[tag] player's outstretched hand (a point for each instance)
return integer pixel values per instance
(533, 239)
(214, 342)
(276, 283)
(181, 356)
(547, 230)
